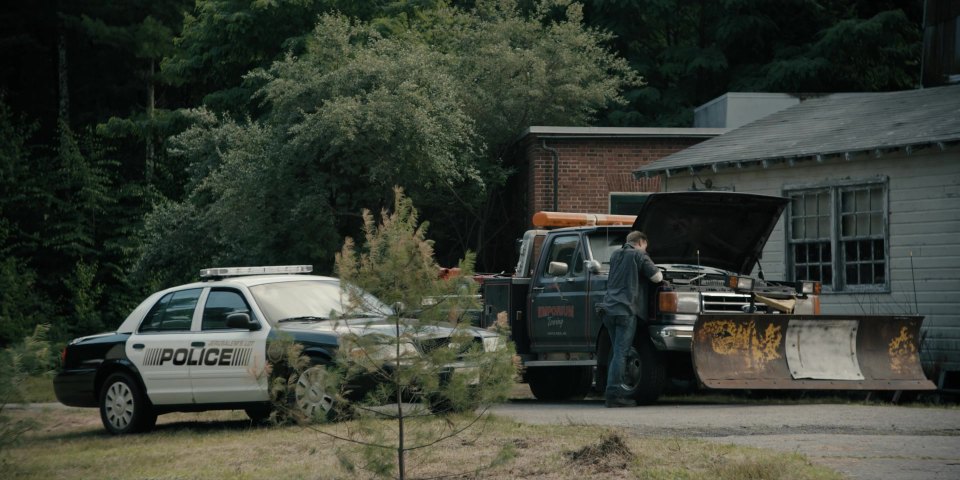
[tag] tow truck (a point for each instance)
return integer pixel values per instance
(716, 324)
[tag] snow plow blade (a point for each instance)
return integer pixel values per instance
(807, 352)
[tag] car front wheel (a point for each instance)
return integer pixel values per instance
(124, 407)
(316, 397)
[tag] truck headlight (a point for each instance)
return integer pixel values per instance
(740, 284)
(810, 288)
(679, 302)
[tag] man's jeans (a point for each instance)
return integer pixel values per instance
(622, 329)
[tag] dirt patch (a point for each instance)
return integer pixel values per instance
(610, 453)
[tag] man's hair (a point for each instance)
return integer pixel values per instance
(635, 237)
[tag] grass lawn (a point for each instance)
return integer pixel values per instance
(68, 443)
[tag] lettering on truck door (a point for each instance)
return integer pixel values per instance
(558, 302)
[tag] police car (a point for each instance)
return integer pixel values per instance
(204, 346)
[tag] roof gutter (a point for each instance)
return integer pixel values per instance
(791, 161)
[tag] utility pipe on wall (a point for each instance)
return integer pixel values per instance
(556, 172)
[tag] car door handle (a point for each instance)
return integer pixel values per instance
(537, 289)
(197, 344)
(138, 346)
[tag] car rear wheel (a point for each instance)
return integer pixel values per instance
(123, 406)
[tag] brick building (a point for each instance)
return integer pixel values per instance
(589, 169)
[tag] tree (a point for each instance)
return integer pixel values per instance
(432, 107)
(31, 356)
(396, 264)
(692, 51)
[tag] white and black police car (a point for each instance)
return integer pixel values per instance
(203, 346)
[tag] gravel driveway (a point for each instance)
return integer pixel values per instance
(860, 441)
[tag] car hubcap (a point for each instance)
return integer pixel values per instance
(119, 405)
(311, 395)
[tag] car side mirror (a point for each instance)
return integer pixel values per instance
(557, 269)
(242, 320)
(592, 266)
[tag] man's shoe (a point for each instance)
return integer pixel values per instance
(617, 402)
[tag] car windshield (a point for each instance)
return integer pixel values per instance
(314, 300)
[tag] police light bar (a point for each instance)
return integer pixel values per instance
(223, 272)
(565, 219)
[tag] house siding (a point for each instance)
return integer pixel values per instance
(923, 221)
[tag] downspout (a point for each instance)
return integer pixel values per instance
(556, 172)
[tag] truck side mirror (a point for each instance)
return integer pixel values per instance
(557, 269)
(592, 266)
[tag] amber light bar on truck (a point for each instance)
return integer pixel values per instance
(566, 219)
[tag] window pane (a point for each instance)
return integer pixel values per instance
(220, 304)
(154, 318)
(798, 231)
(827, 275)
(801, 253)
(849, 226)
(179, 312)
(825, 252)
(796, 208)
(852, 275)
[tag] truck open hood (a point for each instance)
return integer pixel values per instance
(718, 229)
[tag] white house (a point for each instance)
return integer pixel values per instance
(875, 216)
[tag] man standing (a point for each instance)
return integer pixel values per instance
(631, 270)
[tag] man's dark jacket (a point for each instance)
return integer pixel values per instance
(628, 282)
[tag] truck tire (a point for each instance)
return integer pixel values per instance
(645, 372)
(123, 406)
(559, 383)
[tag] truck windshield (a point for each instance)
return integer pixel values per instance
(602, 245)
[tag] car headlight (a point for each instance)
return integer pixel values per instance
(493, 343)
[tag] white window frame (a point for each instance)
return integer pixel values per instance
(837, 242)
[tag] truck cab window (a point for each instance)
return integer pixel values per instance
(566, 249)
(603, 244)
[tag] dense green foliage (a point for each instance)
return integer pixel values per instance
(142, 140)
(30, 356)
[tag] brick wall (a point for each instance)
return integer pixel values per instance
(591, 168)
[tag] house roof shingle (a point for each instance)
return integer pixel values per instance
(834, 125)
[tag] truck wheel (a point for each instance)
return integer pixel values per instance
(644, 371)
(123, 406)
(559, 383)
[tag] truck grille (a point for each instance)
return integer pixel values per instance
(728, 303)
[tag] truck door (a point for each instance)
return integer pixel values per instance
(558, 302)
